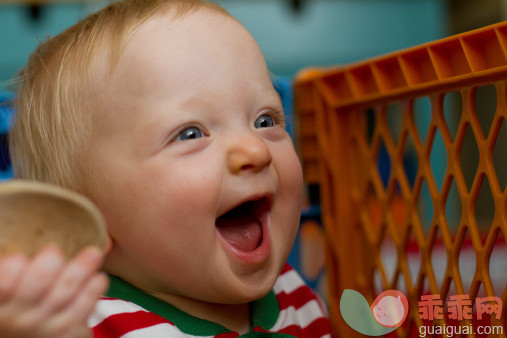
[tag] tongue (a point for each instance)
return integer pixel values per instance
(243, 232)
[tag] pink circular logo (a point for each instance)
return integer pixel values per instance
(390, 308)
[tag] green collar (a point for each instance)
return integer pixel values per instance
(264, 311)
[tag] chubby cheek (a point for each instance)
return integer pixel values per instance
(182, 195)
(161, 215)
(291, 191)
(160, 199)
(291, 176)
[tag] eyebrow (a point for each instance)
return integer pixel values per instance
(271, 92)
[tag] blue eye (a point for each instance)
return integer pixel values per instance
(189, 134)
(264, 121)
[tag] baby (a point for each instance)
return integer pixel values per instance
(163, 114)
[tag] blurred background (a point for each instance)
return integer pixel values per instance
(294, 34)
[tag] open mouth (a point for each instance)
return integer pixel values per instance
(242, 226)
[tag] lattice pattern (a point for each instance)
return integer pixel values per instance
(411, 163)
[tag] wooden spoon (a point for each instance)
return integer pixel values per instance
(33, 215)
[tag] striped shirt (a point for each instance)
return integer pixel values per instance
(291, 309)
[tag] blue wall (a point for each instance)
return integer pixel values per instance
(331, 32)
(326, 32)
(18, 34)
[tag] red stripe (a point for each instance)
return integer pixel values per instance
(122, 323)
(296, 298)
(259, 329)
(227, 335)
(317, 328)
(286, 268)
(293, 330)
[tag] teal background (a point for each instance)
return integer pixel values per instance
(326, 32)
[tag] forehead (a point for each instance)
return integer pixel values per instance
(168, 52)
(202, 57)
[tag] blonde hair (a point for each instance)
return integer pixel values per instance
(53, 115)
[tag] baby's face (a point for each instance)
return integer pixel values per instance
(196, 176)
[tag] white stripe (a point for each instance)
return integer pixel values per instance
(108, 307)
(288, 282)
(308, 313)
(302, 317)
(159, 330)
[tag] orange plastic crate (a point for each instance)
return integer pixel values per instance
(346, 122)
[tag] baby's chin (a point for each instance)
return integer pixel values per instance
(248, 291)
(249, 282)
(253, 286)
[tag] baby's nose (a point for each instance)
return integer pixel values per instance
(248, 152)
